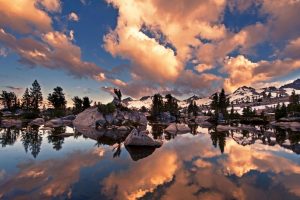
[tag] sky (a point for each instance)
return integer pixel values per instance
(182, 47)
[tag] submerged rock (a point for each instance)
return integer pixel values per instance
(201, 119)
(136, 138)
(37, 122)
(225, 128)
(178, 128)
(137, 153)
(7, 123)
(294, 126)
(54, 123)
(69, 117)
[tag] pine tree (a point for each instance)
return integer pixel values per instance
(157, 105)
(8, 99)
(223, 102)
(57, 99)
(171, 105)
(26, 99)
(36, 95)
(294, 102)
(86, 103)
(77, 104)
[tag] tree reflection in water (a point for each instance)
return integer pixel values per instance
(32, 140)
(56, 139)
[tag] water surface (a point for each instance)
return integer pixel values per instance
(204, 164)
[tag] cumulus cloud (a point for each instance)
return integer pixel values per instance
(203, 67)
(73, 17)
(51, 178)
(24, 16)
(149, 34)
(241, 71)
(3, 52)
(51, 5)
(55, 52)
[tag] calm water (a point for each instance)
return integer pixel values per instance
(36, 164)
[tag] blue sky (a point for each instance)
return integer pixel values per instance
(184, 47)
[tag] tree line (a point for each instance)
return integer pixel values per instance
(32, 100)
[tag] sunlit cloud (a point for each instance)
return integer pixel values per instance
(73, 17)
(52, 177)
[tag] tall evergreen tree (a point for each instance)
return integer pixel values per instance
(294, 102)
(171, 105)
(86, 103)
(77, 102)
(223, 102)
(57, 98)
(8, 99)
(157, 105)
(26, 100)
(36, 95)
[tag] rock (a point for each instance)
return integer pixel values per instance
(88, 118)
(294, 126)
(100, 123)
(90, 132)
(115, 134)
(225, 128)
(109, 118)
(7, 123)
(201, 119)
(122, 128)
(54, 123)
(67, 122)
(37, 122)
(178, 128)
(143, 119)
(136, 138)
(205, 124)
(69, 117)
(137, 153)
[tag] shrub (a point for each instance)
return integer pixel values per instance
(106, 109)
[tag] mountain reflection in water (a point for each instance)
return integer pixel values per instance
(257, 163)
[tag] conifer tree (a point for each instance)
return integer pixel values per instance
(86, 103)
(36, 95)
(57, 99)
(26, 100)
(157, 105)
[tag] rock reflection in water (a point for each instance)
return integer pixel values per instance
(249, 163)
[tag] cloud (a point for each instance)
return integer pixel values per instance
(118, 186)
(203, 67)
(292, 49)
(73, 17)
(24, 16)
(51, 178)
(149, 34)
(56, 51)
(241, 71)
(17, 89)
(51, 5)
(3, 52)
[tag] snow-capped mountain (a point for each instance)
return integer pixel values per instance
(294, 85)
(241, 95)
(244, 94)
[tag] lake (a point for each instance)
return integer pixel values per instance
(204, 164)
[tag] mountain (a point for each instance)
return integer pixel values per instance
(294, 85)
(126, 100)
(192, 98)
(145, 98)
(243, 94)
